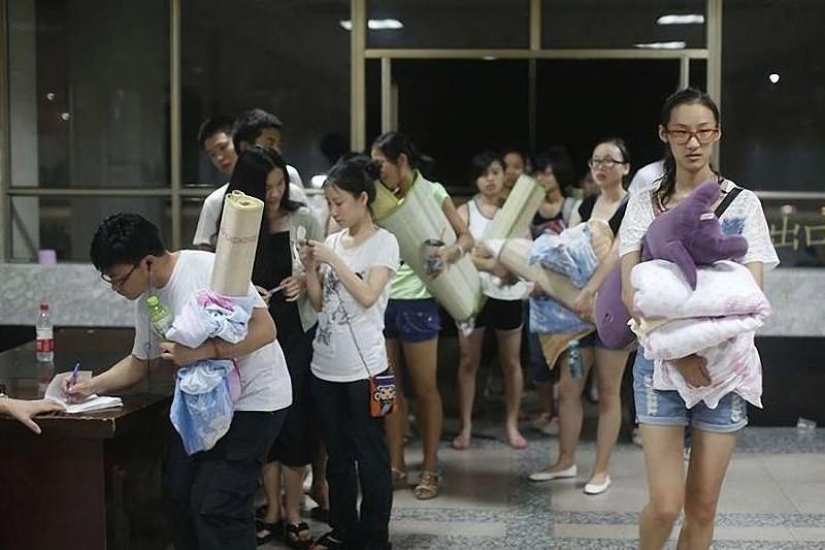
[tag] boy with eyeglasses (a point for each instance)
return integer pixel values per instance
(208, 497)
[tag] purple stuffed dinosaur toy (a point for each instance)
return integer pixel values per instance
(690, 236)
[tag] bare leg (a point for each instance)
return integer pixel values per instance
(294, 492)
(319, 491)
(709, 459)
(422, 362)
(545, 391)
(509, 357)
(272, 491)
(609, 368)
(570, 410)
(664, 463)
(470, 349)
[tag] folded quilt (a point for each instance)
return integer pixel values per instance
(717, 321)
(722, 289)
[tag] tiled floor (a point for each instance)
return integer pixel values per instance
(774, 497)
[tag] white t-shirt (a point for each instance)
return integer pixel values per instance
(743, 216)
(265, 381)
(347, 330)
(647, 177)
(207, 230)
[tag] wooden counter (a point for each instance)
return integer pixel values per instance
(89, 481)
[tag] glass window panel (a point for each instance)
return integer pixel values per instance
(699, 74)
(88, 93)
(451, 24)
(602, 98)
(56, 223)
(452, 119)
(773, 132)
(797, 230)
(618, 24)
(289, 57)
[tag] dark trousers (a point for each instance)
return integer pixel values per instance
(208, 497)
(357, 453)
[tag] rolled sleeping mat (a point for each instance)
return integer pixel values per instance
(513, 220)
(421, 227)
(237, 244)
(514, 254)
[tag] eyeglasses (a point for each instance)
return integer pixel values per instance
(703, 135)
(119, 281)
(607, 163)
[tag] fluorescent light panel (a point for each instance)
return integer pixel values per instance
(687, 19)
(675, 45)
(375, 24)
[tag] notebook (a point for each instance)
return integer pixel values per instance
(92, 403)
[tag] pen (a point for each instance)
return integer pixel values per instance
(73, 380)
(273, 291)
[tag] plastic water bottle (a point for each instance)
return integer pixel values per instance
(44, 342)
(574, 357)
(160, 318)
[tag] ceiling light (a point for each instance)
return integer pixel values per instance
(774, 78)
(689, 19)
(489, 58)
(375, 24)
(675, 45)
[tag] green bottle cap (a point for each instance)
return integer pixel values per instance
(152, 301)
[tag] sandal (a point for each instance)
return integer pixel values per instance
(292, 536)
(428, 485)
(274, 531)
(399, 479)
(328, 542)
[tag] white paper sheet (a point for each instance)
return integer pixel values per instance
(92, 403)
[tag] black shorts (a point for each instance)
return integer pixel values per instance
(504, 315)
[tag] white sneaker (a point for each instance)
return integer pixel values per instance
(547, 475)
(597, 488)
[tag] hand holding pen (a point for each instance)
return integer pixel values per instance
(77, 388)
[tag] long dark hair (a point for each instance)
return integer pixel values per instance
(393, 145)
(667, 184)
(249, 176)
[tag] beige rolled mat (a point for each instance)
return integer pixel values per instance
(513, 220)
(514, 254)
(416, 219)
(552, 345)
(237, 244)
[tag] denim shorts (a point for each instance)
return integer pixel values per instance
(412, 320)
(667, 408)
